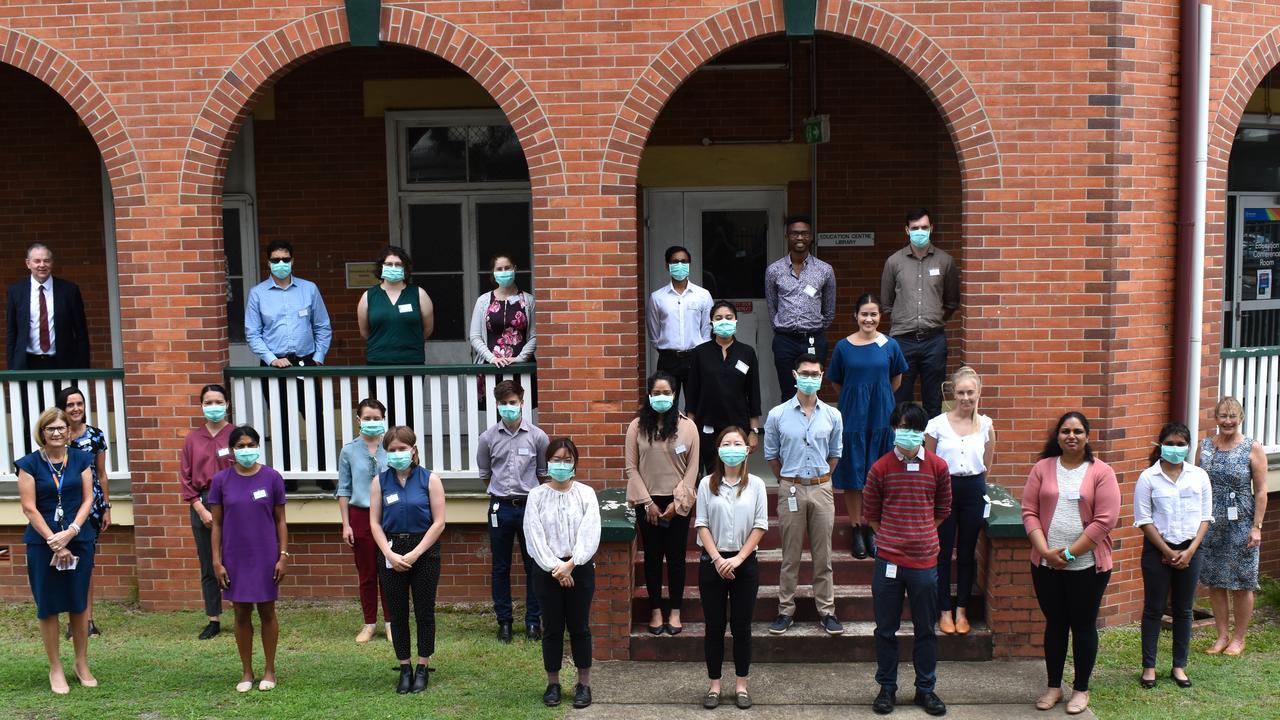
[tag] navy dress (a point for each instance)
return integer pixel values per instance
(58, 591)
(866, 402)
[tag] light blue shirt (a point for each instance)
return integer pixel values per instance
(292, 319)
(356, 470)
(803, 443)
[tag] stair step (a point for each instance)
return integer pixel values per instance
(853, 602)
(845, 569)
(805, 642)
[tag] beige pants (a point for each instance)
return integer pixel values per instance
(816, 513)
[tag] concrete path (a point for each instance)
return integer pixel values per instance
(673, 691)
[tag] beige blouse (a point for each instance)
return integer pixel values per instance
(662, 468)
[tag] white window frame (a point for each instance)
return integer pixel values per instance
(240, 354)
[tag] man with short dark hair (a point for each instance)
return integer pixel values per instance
(907, 496)
(45, 328)
(511, 457)
(920, 287)
(800, 291)
(678, 317)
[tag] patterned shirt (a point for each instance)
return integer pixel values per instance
(800, 304)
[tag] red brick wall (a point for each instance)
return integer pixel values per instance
(114, 566)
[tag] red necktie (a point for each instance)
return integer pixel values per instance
(44, 324)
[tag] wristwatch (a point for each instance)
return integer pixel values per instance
(285, 554)
(106, 506)
(758, 430)
(1258, 525)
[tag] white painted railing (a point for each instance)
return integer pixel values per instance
(24, 394)
(448, 406)
(1252, 376)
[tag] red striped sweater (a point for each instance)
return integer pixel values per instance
(907, 504)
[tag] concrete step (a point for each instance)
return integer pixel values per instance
(853, 602)
(804, 642)
(845, 569)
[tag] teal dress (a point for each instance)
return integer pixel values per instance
(58, 591)
(866, 402)
(395, 331)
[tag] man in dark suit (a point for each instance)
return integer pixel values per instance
(45, 325)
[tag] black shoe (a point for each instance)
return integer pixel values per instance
(1146, 684)
(780, 625)
(869, 537)
(859, 545)
(93, 630)
(211, 630)
(884, 701)
(673, 630)
(551, 698)
(419, 679)
(532, 632)
(1180, 683)
(406, 680)
(504, 632)
(68, 634)
(931, 703)
(581, 696)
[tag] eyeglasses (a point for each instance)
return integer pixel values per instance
(811, 375)
(56, 429)
(799, 233)
(282, 259)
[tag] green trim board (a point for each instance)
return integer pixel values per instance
(617, 518)
(69, 374)
(1248, 352)
(374, 370)
(1006, 514)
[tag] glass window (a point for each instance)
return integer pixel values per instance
(436, 154)
(734, 246)
(503, 227)
(435, 244)
(464, 154)
(494, 154)
(235, 273)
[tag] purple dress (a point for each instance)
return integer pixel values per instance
(250, 547)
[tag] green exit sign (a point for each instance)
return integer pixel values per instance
(817, 129)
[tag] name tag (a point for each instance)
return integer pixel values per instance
(1188, 492)
(304, 312)
(811, 291)
(223, 452)
(708, 430)
(406, 308)
(881, 340)
(742, 367)
(934, 272)
(913, 467)
(493, 516)
(1233, 513)
(792, 504)
(986, 510)
(393, 498)
(1074, 495)
(260, 494)
(387, 560)
(890, 571)
(681, 449)
(522, 451)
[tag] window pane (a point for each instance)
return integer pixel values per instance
(235, 310)
(436, 154)
(503, 227)
(734, 243)
(452, 310)
(493, 154)
(435, 237)
(234, 268)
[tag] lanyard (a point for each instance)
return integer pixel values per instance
(57, 480)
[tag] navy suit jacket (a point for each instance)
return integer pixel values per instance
(71, 333)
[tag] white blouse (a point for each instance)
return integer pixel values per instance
(561, 525)
(1066, 525)
(1175, 508)
(729, 516)
(962, 453)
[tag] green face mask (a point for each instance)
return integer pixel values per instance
(214, 413)
(282, 270)
(372, 428)
(733, 455)
(510, 413)
(661, 403)
(724, 328)
(504, 278)
(560, 471)
(908, 439)
(392, 273)
(1175, 454)
(400, 459)
(247, 456)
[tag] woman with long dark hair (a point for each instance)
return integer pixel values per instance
(87, 438)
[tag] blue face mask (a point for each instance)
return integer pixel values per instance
(908, 439)
(392, 273)
(724, 328)
(400, 459)
(808, 385)
(504, 278)
(372, 428)
(919, 238)
(560, 471)
(214, 413)
(510, 413)
(661, 403)
(247, 456)
(733, 455)
(679, 271)
(282, 270)
(1175, 454)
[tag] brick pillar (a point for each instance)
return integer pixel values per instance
(1012, 611)
(611, 608)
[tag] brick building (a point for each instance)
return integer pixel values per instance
(158, 147)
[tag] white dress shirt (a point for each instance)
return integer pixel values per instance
(1175, 508)
(679, 321)
(33, 334)
(963, 453)
(731, 516)
(561, 525)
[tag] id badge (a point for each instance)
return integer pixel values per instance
(223, 452)
(811, 291)
(934, 272)
(812, 350)
(393, 498)
(57, 515)
(890, 570)
(913, 467)
(1075, 495)
(986, 509)
(493, 516)
(708, 430)
(406, 308)
(1233, 513)
(387, 560)
(681, 449)
(792, 504)
(260, 494)
(742, 367)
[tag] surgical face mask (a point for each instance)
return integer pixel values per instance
(247, 456)
(282, 270)
(1175, 454)
(510, 413)
(400, 459)
(372, 428)
(504, 278)
(908, 439)
(808, 385)
(661, 403)
(679, 270)
(560, 471)
(392, 273)
(733, 455)
(724, 328)
(214, 413)
(919, 238)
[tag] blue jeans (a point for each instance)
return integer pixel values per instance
(921, 587)
(786, 348)
(502, 539)
(927, 360)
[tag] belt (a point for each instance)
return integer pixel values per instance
(513, 501)
(296, 359)
(809, 481)
(919, 335)
(677, 353)
(405, 536)
(800, 334)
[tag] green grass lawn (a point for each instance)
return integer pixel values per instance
(151, 666)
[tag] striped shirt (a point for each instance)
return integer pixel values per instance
(907, 498)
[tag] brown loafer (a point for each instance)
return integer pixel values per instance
(962, 625)
(945, 624)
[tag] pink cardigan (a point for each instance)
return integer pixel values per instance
(1099, 505)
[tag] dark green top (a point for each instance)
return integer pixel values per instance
(395, 331)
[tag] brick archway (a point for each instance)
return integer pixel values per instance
(901, 42)
(244, 82)
(1261, 59)
(86, 99)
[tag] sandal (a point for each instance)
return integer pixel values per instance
(1234, 650)
(1049, 699)
(1079, 703)
(711, 701)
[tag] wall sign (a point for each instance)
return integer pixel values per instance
(846, 239)
(361, 275)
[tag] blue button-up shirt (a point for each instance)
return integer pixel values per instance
(356, 470)
(803, 443)
(282, 320)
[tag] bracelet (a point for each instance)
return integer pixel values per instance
(74, 527)
(285, 553)
(106, 506)
(1066, 553)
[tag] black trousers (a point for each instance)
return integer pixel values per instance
(739, 596)
(664, 543)
(786, 348)
(566, 607)
(676, 364)
(1070, 600)
(289, 414)
(209, 588)
(927, 360)
(421, 580)
(959, 532)
(1158, 577)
